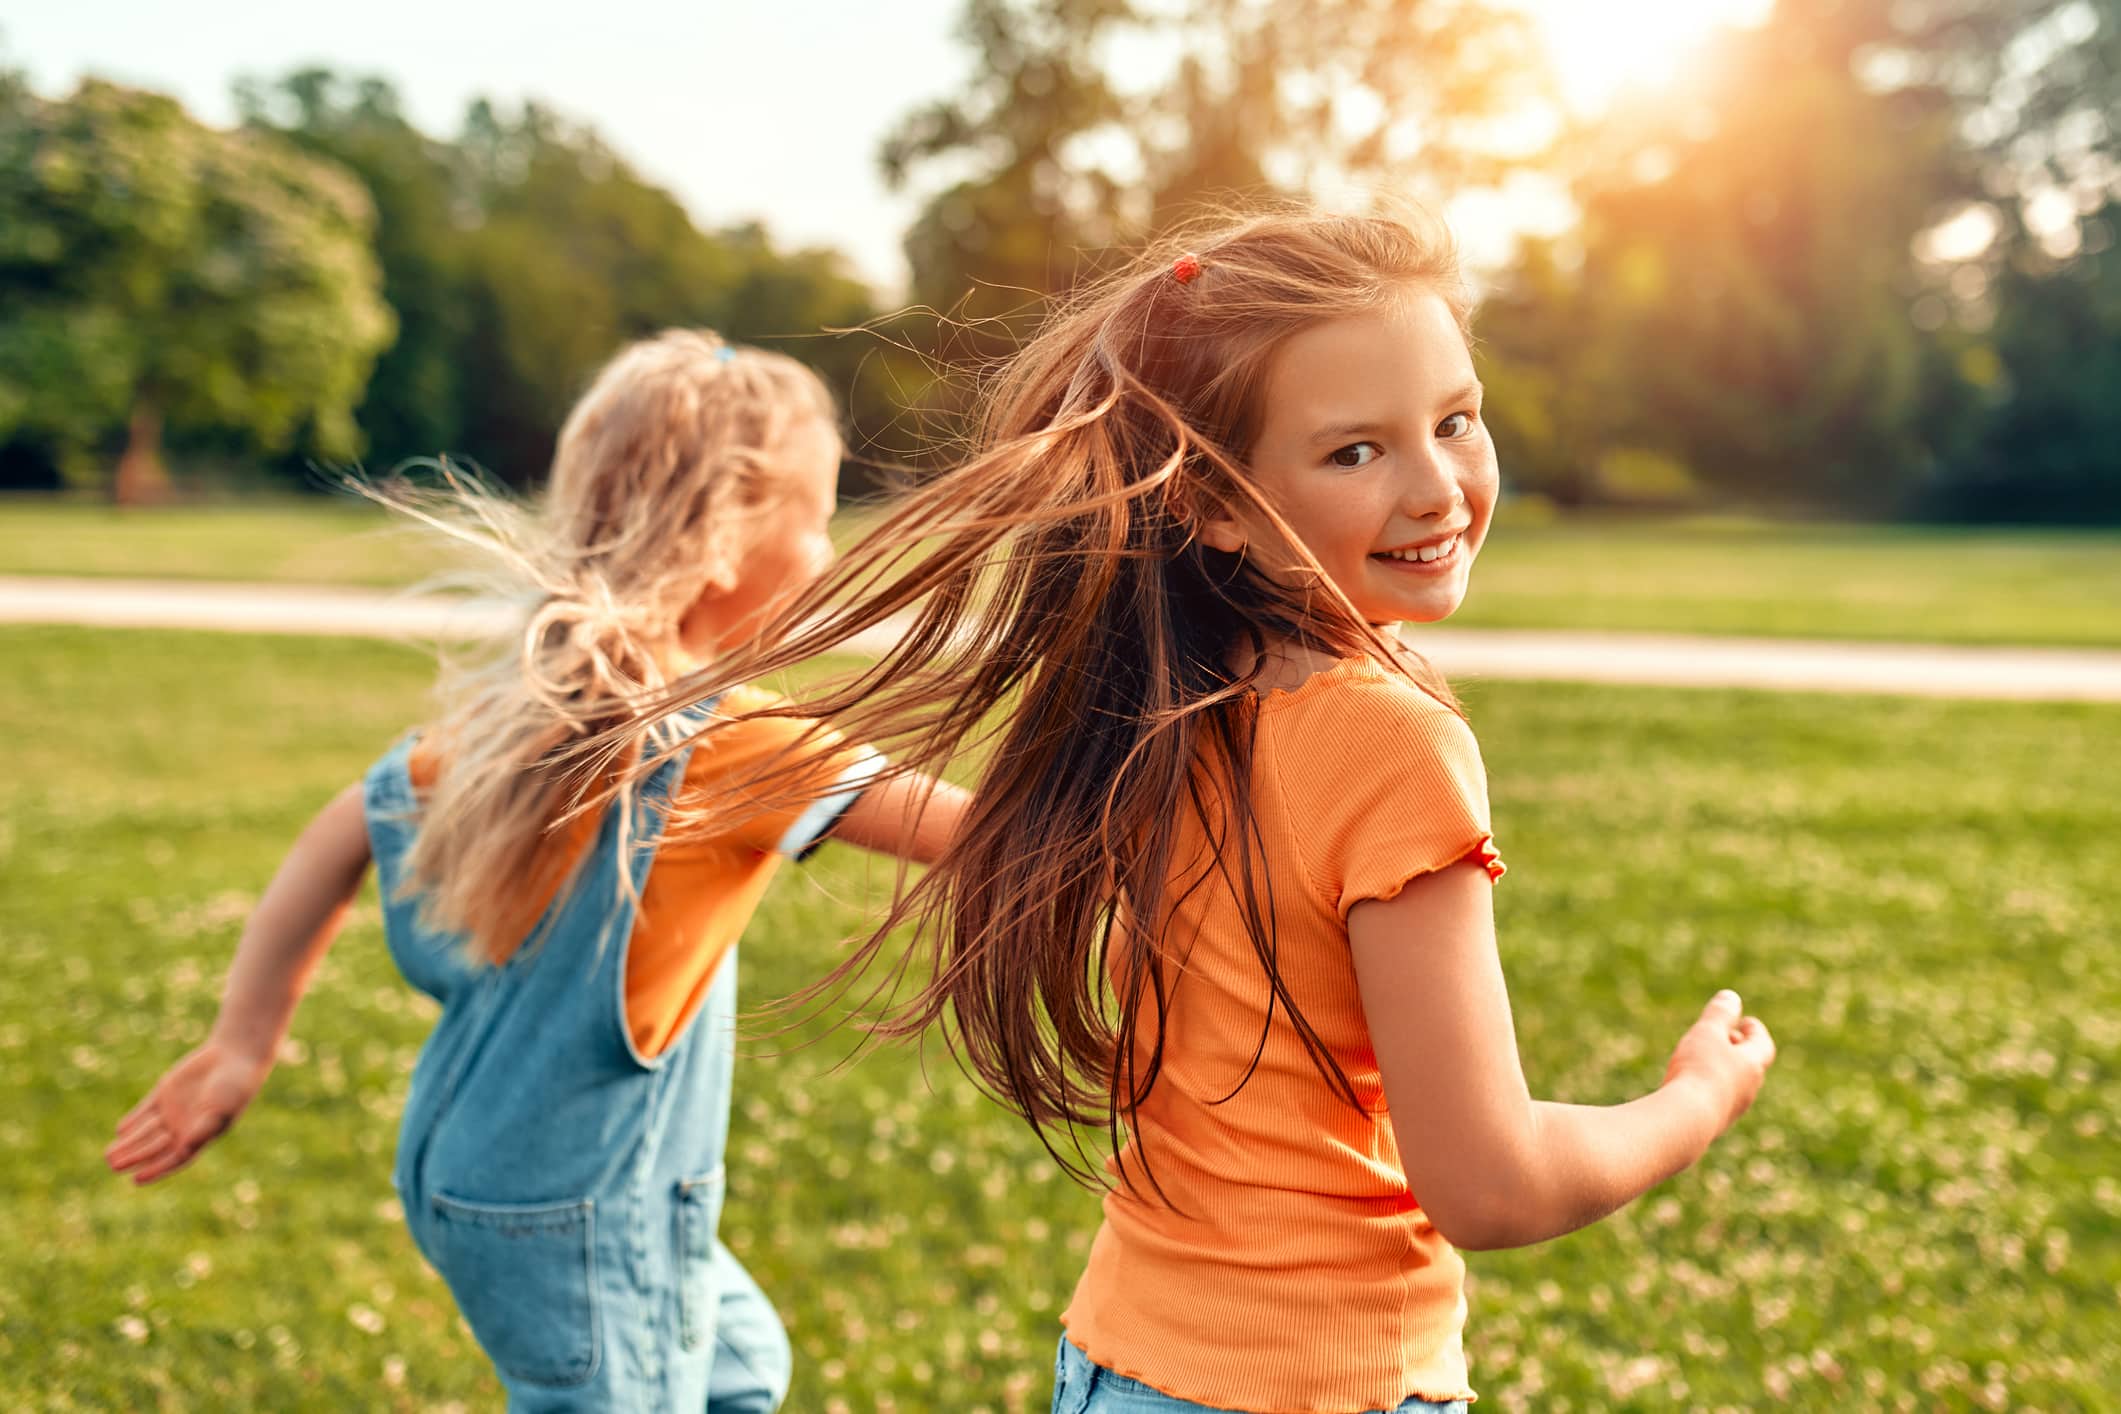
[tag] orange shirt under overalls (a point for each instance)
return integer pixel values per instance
(702, 890)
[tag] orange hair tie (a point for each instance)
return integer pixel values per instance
(1186, 269)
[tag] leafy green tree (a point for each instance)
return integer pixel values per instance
(1262, 97)
(2050, 365)
(158, 271)
(414, 402)
(522, 253)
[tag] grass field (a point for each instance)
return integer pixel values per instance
(1923, 1212)
(1695, 576)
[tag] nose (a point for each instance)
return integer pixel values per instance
(1429, 486)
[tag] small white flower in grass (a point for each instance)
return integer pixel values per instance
(246, 1191)
(394, 1371)
(365, 1318)
(132, 1328)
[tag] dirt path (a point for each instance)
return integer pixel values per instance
(1776, 664)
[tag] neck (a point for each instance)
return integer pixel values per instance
(1287, 663)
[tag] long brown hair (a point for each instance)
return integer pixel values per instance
(1067, 618)
(651, 476)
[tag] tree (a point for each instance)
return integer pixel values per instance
(1261, 97)
(413, 405)
(158, 271)
(1743, 285)
(522, 254)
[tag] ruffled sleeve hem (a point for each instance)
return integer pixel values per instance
(1482, 852)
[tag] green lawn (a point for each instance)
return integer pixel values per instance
(1923, 1212)
(1816, 581)
(315, 541)
(1674, 576)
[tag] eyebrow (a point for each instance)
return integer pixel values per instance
(1464, 393)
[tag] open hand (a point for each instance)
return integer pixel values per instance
(1728, 1053)
(188, 1109)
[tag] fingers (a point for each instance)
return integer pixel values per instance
(1752, 1037)
(138, 1118)
(165, 1164)
(151, 1154)
(144, 1144)
(1724, 1007)
(138, 1112)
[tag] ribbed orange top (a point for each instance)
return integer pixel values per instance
(1301, 1274)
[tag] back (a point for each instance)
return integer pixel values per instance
(1297, 1241)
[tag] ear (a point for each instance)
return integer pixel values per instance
(1219, 530)
(1211, 521)
(718, 583)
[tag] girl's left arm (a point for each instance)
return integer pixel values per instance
(286, 937)
(914, 817)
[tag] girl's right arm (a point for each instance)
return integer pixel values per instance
(286, 937)
(1491, 1166)
(914, 817)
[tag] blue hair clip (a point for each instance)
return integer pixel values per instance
(725, 353)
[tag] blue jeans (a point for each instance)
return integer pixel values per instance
(1081, 1386)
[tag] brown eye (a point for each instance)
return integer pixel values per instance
(1356, 454)
(1457, 425)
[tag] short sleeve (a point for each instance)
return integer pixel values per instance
(1384, 784)
(809, 791)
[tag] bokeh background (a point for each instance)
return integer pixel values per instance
(1802, 321)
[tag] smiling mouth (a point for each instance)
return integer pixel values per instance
(1440, 554)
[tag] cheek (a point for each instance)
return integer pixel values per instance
(1481, 482)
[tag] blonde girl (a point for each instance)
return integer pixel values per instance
(561, 1155)
(1224, 885)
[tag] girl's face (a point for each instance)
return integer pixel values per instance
(1372, 448)
(785, 542)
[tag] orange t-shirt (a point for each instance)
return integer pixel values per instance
(702, 889)
(1298, 1272)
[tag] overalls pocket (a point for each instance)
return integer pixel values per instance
(699, 1215)
(523, 1274)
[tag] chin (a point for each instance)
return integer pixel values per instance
(1430, 611)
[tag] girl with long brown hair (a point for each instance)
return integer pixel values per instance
(560, 1158)
(1223, 887)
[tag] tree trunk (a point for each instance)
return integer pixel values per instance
(142, 479)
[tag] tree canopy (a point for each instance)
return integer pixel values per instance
(156, 269)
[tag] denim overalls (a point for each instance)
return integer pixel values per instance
(566, 1188)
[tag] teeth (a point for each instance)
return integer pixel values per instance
(1424, 553)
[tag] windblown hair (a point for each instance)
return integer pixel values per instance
(1067, 617)
(654, 469)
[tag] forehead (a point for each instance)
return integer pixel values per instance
(807, 447)
(1367, 365)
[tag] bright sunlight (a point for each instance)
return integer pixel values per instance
(1599, 49)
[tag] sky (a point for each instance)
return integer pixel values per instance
(746, 109)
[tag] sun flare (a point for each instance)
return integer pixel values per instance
(1601, 47)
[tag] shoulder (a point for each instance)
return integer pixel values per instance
(1357, 707)
(734, 742)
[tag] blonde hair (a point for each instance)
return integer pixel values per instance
(1067, 611)
(655, 464)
